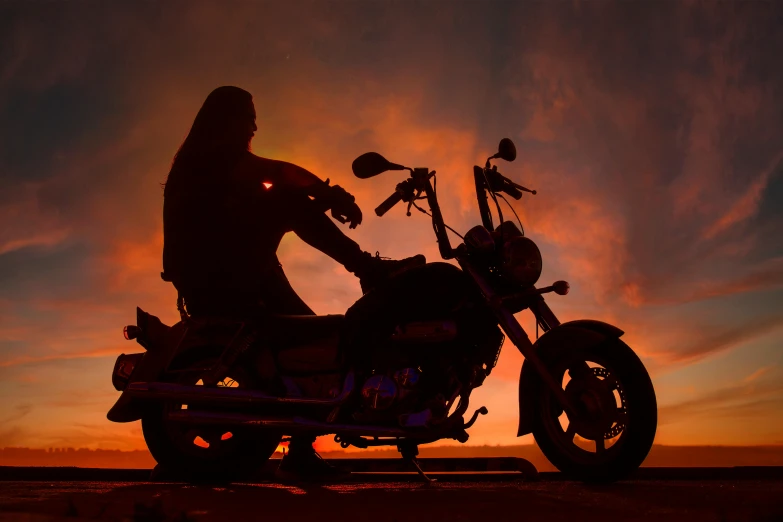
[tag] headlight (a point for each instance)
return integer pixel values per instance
(479, 239)
(521, 261)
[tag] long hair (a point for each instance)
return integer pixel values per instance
(217, 138)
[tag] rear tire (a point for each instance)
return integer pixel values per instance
(627, 417)
(200, 453)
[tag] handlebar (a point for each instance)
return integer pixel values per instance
(512, 191)
(499, 183)
(410, 190)
(388, 203)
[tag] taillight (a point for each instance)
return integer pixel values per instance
(123, 369)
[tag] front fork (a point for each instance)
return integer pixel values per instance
(545, 318)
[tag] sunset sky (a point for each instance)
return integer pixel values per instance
(652, 132)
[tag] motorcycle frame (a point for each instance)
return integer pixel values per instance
(502, 306)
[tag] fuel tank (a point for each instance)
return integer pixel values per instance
(425, 292)
(437, 301)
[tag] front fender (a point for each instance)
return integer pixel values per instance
(583, 333)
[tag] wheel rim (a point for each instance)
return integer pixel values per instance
(598, 430)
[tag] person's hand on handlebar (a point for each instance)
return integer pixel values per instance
(339, 201)
(344, 207)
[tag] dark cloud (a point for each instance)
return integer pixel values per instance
(13, 436)
(671, 113)
(19, 411)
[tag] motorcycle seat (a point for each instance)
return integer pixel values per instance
(290, 330)
(306, 343)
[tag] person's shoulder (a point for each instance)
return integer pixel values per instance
(255, 167)
(251, 160)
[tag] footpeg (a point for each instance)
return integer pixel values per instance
(483, 411)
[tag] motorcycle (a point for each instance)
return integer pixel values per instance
(216, 395)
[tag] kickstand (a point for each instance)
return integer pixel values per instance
(409, 453)
(421, 471)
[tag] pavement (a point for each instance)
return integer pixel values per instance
(659, 494)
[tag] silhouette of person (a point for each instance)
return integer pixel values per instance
(225, 212)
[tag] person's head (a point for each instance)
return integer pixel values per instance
(223, 128)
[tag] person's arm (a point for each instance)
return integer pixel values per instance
(297, 177)
(326, 197)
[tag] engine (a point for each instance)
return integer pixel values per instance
(420, 343)
(399, 397)
(380, 392)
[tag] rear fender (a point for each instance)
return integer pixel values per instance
(171, 348)
(583, 333)
(151, 333)
(161, 342)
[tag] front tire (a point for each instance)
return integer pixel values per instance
(205, 452)
(617, 413)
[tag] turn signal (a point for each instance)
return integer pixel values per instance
(561, 287)
(131, 332)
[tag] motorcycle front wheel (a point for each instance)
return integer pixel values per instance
(616, 415)
(215, 453)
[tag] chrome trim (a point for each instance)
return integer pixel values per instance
(201, 394)
(246, 420)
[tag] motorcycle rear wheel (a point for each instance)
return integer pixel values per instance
(212, 453)
(617, 412)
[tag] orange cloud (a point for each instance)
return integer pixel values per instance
(748, 204)
(24, 360)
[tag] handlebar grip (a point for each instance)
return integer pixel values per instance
(512, 191)
(388, 204)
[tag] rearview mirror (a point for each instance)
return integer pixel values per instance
(506, 150)
(371, 164)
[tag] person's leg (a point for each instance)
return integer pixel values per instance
(301, 461)
(301, 443)
(280, 297)
(318, 231)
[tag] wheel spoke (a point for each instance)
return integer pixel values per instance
(578, 369)
(611, 382)
(570, 431)
(213, 438)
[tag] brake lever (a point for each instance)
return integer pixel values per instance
(520, 187)
(410, 203)
(500, 183)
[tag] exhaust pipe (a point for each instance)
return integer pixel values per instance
(244, 420)
(203, 395)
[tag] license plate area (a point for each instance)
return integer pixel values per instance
(123, 369)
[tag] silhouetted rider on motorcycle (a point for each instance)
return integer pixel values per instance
(225, 212)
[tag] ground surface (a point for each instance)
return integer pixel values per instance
(396, 498)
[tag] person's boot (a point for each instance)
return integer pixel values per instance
(303, 464)
(374, 270)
